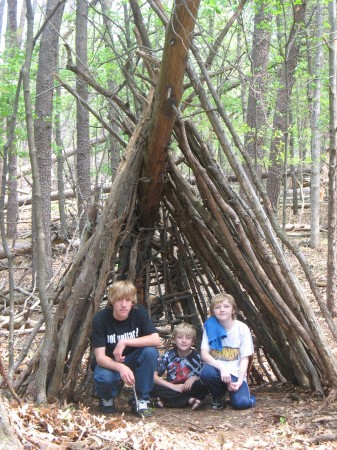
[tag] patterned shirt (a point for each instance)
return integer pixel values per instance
(179, 368)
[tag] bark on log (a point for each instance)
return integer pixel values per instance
(8, 438)
(168, 95)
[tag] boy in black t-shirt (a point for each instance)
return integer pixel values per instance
(182, 365)
(124, 341)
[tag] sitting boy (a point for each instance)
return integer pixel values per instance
(124, 340)
(225, 348)
(182, 365)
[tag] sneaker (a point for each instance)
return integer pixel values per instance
(141, 408)
(217, 403)
(107, 406)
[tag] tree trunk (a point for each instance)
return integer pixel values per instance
(38, 387)
(60, 178)
(316, 137)
(82, 128)
(114, 148)
(331, 290)
(280, 131)
(9, 169)
(12, 208)
(43, 123)
(168, 95)
(256, 109)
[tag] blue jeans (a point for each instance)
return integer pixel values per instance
(240, 399)
(143, 363)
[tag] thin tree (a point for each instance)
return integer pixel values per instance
(82, 116)
(281, 115)
(256, 109)
(12, 202)
(315, 133)
(38, 388)
(331, 289)
(60, 170)
(43, 118)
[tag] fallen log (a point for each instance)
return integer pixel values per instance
(69, 193)
(26, 248)
(8, 439)
(19, 249)
(297, 227)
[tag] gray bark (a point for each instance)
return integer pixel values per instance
(332, 209)
(43, 123)
(12, 205)
(82, 114)
(38, 388)
(256, 109)
(316, 136)
(8, 437)
(281, 119)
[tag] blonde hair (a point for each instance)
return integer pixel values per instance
(122, 289)
(223, 297)
(185, 328)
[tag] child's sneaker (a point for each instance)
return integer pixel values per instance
(107, 406)
(217, 403)
(141, 408)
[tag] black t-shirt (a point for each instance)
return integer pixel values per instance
(107, 331)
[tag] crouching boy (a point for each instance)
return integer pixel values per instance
(225, 348)
(125, 343)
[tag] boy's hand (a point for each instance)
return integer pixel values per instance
(177, 387)
(188, 383)
(225, 376)
(118, 352)
(234, 386)
(126, 374)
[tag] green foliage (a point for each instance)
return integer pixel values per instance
(12, 60)
(211, 6)
(114, 63)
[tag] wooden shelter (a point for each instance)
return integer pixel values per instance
(176, 225)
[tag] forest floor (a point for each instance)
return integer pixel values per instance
(284, 417)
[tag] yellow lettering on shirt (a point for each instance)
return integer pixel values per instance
(226, 354)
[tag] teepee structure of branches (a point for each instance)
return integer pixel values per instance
(181, 230)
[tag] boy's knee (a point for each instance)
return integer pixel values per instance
(244, 403)
(208, 372)
(104, 376)
(150, 353)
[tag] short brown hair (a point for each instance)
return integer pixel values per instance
(185, 328)
(122, 289)
(223, 297)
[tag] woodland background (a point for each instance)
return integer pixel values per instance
(188, 146)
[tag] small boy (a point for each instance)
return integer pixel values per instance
(182, 365)
(225, 348)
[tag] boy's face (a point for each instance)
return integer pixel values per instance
(183, 342)
(122, 308)
(223, 311)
